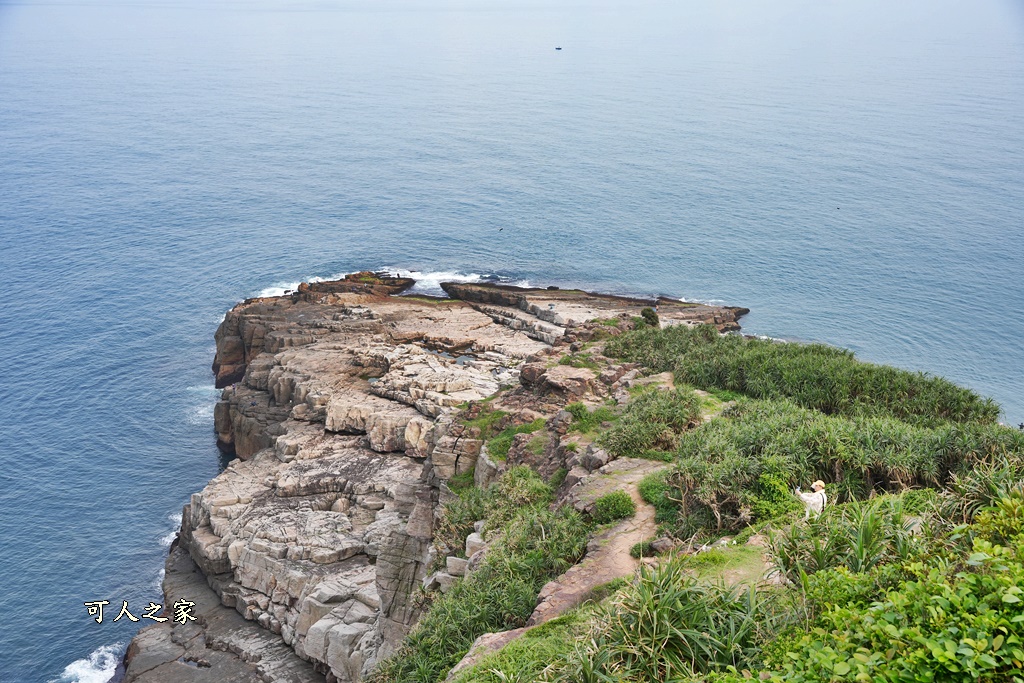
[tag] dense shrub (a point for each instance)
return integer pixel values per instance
(654, 489)
(813, 375)
(978, 487)
(650, 317)
(613, 506)
(858, 536)
(740, 469)
(653, 421)
(954, 617)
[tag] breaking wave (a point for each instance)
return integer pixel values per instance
(98, 667)
(167, 539)
(281, 288)
(430, 282)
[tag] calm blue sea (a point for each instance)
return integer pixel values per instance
(853, 172)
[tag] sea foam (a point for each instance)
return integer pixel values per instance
(430, 282)
(280, 288)
(167, 539)
(200, 410)
(98, 667)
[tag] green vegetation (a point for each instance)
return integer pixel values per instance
(652, 423)
(812, 375)
(947, 606)
(461, 481)
(979, 487)
(557, 478)
(425, 299)
(365, 277)
(741, 564)
(499, 445)
(725, 395)
(580, 360)
(650, 317)
(913, 572)
(714, 557)
(613, 506)
(654, 489)
(601, 592)
(526, 657)
(586, 421)
(642, 549)
(487, 421)
(669, 626)
(537, 444)
(741, 469)
(537, 544)
(608, 322)
(498, 504)
(952, 612)
(858, 536)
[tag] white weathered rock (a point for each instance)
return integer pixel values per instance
(456, 565)
(474, 544)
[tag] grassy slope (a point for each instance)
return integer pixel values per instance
(803, 412)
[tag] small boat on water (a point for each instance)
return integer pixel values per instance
(558, 48)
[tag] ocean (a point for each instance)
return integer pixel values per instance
(852, 172)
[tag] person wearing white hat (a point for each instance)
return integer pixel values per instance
(813, 502)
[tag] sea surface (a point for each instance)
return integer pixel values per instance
(853, 172)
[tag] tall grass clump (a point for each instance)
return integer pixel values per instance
(536, 545)
(741, 469)
(670, 626)
(652, 422)
(978, 487)
(815, 376)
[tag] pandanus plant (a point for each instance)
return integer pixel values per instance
(667, 626)
(857, 535)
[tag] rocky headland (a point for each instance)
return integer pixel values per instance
(344, 404)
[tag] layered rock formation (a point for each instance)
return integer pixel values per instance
(340, 404)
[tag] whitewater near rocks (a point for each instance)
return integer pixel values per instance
(305, 555)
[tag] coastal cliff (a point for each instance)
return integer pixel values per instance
(341, 405)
